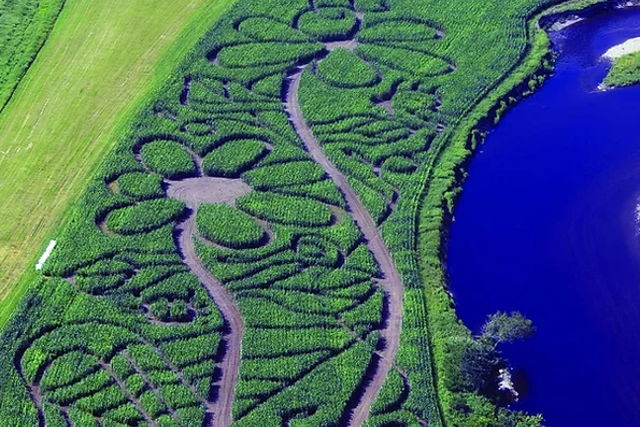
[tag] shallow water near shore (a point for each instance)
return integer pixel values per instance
(549, 224)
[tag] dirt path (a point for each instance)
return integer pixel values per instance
(206, 189)
(391, 282)
(136, 402)
(195, 191)
(221, 407)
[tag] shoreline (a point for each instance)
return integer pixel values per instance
(591, 27)
(558, 21)
(627, 47)
(463, 143)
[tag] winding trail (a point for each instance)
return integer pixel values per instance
(219, 410)
(390, 281)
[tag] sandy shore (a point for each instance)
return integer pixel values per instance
(561, 25)
(629, 46)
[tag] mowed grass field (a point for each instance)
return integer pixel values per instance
(92, 74)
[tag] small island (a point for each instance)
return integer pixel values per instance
(625, 69)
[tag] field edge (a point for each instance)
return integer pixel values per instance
(446, 175)
(168, 62)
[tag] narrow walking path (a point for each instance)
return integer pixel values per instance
(390, 281)
(220, 409)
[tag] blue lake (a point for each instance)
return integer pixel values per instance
(548, 224)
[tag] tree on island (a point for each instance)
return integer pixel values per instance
(481, 359)
(473, 369)
(506, 328)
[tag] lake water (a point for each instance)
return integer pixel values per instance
(549, 225)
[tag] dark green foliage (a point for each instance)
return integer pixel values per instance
(145, 216)
(140, 185)
(168, 158)
(344, 69)
(476, 367)
(24, 27)
(288, 210)
(328, 23)
(233, 158)
(229, 227)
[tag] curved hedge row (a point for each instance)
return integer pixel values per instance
(144, 216)
(140, 185)
(327, 23)
(287, 210)
(233, 158)
(168, 158)
(344, 69)
(229, 227)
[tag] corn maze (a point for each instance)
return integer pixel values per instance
(246, 255)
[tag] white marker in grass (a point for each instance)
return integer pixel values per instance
(45, 255)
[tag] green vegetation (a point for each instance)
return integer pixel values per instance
(283, 175)
(625, 71)
(144, 216)
(148, 328)
(228, 227)
(480, 361)
(71, 107)
(24, 27)
(289, 210)
(233, 158)
(168, 158)
(327, 23)
(140, 185)
(402, 29)
(118, 297)
(343, 69)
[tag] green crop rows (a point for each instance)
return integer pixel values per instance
(24, 27)
(228, 227)
(123, 330)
